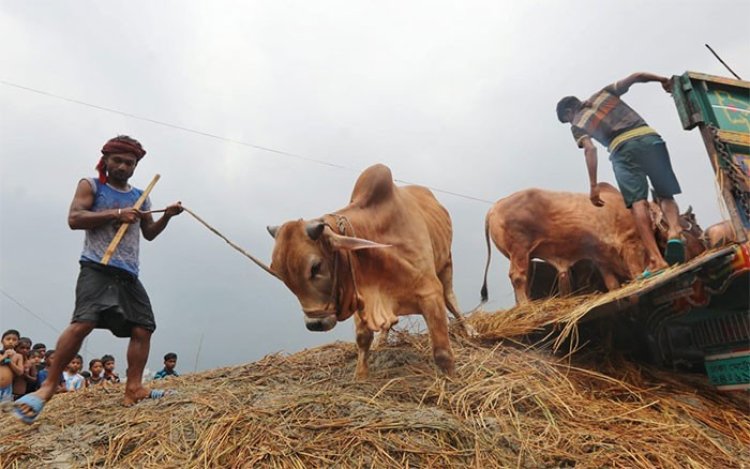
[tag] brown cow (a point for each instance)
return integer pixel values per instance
(692, 234)
(386, 254)
(563, 228)
(719, 235)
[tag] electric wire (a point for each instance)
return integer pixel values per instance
(226, 139)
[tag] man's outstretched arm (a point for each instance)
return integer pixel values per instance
(622, 86)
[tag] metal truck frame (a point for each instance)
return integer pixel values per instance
(696, 316)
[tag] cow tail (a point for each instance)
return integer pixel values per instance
(489, 257)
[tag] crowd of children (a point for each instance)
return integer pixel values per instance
(23, 368)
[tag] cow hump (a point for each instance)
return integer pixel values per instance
(373, 186)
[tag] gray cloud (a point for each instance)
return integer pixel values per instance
(456, 96)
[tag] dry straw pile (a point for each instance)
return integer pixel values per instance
(509, 406)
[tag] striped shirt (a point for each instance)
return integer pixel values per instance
(606, 118)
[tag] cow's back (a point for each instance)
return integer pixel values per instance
(437, 222)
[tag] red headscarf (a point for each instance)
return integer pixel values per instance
(119, 144)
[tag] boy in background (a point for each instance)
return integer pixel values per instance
(41, 377)
(170, 362)
(11, 364)
(96, 368)
(109, 369)
(35, 359)
(42, 349)
(20, 382)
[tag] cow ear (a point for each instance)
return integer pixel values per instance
(689, 210)
(349, 243)
(272, 230)
(314, 229)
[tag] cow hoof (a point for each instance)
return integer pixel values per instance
(445, 363)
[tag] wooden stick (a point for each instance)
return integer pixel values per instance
(124, 227)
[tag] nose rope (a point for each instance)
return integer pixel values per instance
(257, 261)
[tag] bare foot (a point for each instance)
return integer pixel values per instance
(657, 266)
(135, 396)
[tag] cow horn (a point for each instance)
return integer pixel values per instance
(273, 230)
(350, 243)
(314, 229)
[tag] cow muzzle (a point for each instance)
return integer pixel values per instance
(320, 324)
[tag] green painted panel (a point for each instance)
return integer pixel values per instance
(729, 371)
(730, 107)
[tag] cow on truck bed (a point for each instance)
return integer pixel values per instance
(566, 231)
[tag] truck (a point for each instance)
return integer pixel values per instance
(696, 317)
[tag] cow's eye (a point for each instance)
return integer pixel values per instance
(315, 269)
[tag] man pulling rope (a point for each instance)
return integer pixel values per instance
(108, 296)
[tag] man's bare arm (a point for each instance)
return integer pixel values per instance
(592, 163)
(622, 86)
(81, 217)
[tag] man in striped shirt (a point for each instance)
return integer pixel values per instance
(638, 154)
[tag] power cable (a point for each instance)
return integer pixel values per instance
(23, 307)
(226, 139)
(41, 319)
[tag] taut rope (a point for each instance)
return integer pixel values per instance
(257, 261)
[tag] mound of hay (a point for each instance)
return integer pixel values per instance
(509, 406)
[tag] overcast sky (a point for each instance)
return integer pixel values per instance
(457, 96)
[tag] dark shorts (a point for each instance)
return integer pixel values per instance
(641, 158)
(112, 298)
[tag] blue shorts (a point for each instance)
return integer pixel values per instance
(638, 159)
(6, 393)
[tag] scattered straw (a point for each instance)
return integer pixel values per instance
(509, 406)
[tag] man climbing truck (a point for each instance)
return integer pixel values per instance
(696, 316)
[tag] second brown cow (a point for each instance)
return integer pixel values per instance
(563, 228)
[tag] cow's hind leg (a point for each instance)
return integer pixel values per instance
(610, 279)
(364, 340)
(519, 275)
(433, 310)
(446, 278)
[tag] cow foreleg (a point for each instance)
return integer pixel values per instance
(519, 277)
(433, 310)
(364, 340)
(610, 279)
(563, 282)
